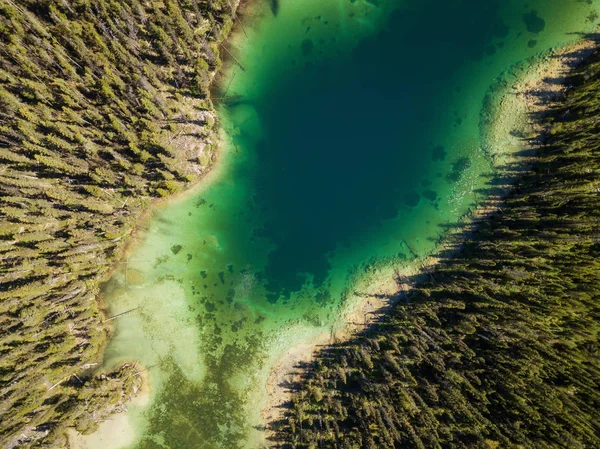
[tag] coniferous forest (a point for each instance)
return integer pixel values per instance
(103, 106)
(500, 347)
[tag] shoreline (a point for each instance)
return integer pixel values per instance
(538, 82)
(115, 425)
(213, 168)
(204, 181)
(117, 420)
(222, 147)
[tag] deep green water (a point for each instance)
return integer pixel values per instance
(353, 136)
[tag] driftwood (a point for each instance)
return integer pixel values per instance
(119, 314)
(234, 58)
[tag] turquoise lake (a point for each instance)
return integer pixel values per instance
(353, 137)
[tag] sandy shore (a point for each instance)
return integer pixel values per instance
(116, 430)
(511, 136)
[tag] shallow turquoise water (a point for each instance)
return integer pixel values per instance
(353, 140)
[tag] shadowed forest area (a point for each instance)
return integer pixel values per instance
(499, 347)
(103, 106)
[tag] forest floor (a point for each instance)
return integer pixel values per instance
(511, 135)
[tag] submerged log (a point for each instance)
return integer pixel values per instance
(119, 314)
(233, 57)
